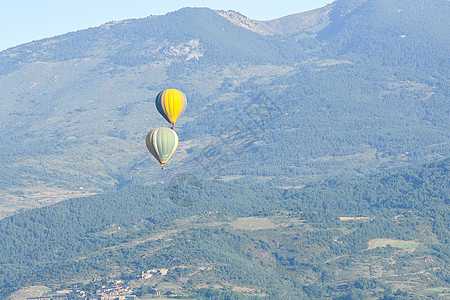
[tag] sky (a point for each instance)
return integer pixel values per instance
(23, 21)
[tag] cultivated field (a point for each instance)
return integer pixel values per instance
(376, 243)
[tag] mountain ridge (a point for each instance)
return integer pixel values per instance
(286, 25)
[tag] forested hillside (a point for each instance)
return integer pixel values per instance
(305, 239)
(402, 33)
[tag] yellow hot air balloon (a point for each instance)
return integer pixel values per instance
(162, 143)
(171, 104)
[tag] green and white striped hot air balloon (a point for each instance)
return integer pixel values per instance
(162, 143)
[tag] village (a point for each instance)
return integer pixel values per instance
(112, 290)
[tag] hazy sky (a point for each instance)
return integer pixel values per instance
(23, 21)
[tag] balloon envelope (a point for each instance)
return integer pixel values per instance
(162, 143)
(171, 104)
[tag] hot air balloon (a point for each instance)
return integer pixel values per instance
(162, 143)
(171, 104)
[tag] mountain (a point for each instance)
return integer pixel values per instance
(309, 106)
(75, 108)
